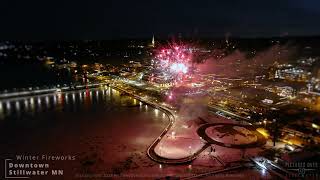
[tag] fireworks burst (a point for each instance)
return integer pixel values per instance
(174, 62)
(176, 59)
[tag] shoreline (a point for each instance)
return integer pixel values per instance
(23, 94)
(150, 149)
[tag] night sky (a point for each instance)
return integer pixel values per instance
(141, 18)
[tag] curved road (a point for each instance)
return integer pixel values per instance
(260, 139)
(201, 132)
(154, 156)
(151, 149)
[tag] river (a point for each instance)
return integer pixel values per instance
(104, 131)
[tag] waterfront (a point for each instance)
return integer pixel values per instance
(106, 131)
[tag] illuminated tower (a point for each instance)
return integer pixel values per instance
(152, 42)
(227, 35)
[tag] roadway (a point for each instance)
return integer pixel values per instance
(259, 142)
(216, 108)
(151, 149)
(268, 165)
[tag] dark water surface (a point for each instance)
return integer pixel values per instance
(104, 131)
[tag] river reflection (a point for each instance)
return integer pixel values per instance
(102, 121)
(73, 101)
(103, 125)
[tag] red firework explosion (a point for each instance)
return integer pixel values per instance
(175, 59)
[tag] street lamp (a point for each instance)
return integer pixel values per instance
(173, 135)
(265, 123)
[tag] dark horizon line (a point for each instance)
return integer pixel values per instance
(162, 38)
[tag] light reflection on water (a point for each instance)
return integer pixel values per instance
(69, 123)
(156, 111)
(74, 101)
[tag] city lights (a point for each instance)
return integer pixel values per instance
(185, 105)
